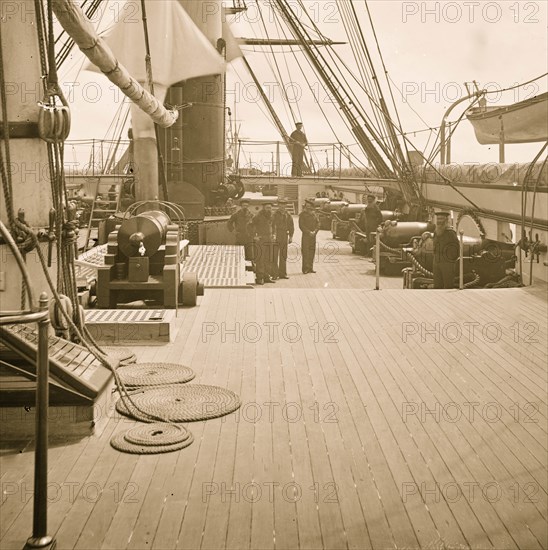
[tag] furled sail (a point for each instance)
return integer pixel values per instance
(75, 23)
(523, 122)
(178, 49)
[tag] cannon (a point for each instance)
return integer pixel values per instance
(232, 189)
(357, 236)
(318, 202)
(340, 222)
(485, 261)
(326, 211)
(394, 237)
(143, 262)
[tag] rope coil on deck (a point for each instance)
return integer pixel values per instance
(152, 438)
(155, 374)
(183, 403)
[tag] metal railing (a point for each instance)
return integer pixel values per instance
(39, 538)
(95, 157)
(273, 158)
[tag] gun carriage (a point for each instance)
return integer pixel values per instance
(143, 260)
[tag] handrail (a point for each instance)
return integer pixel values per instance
(40, 538)
(20, 317)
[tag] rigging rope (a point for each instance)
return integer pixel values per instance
(280, 80)
(391, 124)
(327, 67)
(67, 231)
(363, 57)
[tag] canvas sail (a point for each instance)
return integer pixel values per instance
(76, 24)
(178, 49)
(523, 122)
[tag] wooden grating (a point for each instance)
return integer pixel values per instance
(217, 265)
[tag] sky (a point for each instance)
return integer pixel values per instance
(430, 49)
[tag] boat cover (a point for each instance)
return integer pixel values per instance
(490, 173)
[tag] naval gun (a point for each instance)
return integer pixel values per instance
(486, 262)
(327, 209)
(357, 236)
(395, 237)
(143, 260)
(340, 221)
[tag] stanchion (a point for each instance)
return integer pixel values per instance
(377, 259)
(39, 538)
(461, 260)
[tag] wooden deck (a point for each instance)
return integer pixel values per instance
(370, 419)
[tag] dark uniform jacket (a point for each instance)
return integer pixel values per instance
(240, 221)
(370, 218)
(282, 224)
(308, 221)
(446, 247)
(262, 225)
(298, 139)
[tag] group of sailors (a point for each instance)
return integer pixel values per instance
(267, 235)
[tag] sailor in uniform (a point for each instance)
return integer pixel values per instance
(264, 243)
(283, 233)
(240, 221)
(309, 224)
(369, 221)
(446, 252)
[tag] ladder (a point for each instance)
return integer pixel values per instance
(106, 202)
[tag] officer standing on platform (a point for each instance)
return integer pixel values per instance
(264, 244)
(283, 233)
(370, 219)
(240, 221)
(446, 252)
(309, 224)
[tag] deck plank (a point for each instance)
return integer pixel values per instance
(343, 387)
(217, 492)
(18, 488)
(192, 527)
(326, 381)
(492, 392)
(284, 501)
(393, 473)
(262, 513)
(397, 381)
(133, 494)
(326, 486)
(238, 533)
(307, 512)
(504, 509)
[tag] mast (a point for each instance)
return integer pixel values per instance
(28, 161)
